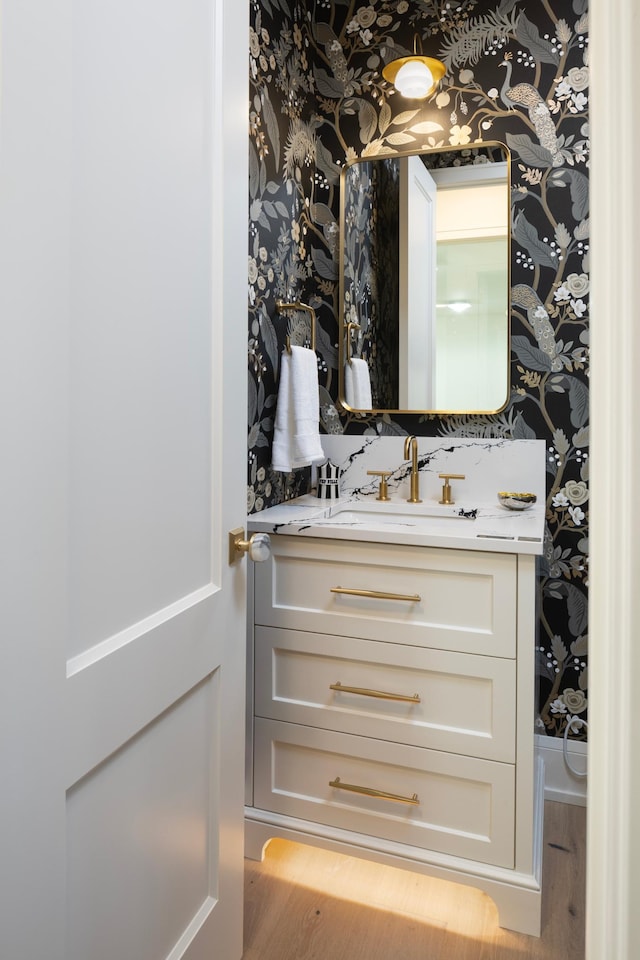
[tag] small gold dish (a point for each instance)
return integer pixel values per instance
(516, 501)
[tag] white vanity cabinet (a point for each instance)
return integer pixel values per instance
(392, 708)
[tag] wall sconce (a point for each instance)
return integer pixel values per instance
(417, 76)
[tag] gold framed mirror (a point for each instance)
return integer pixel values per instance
(425, 281)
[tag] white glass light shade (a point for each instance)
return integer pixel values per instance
(414, 79)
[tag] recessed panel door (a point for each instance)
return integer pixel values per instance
(123, 245)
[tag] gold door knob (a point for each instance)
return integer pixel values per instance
(258, 546)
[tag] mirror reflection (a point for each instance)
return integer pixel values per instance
(425, 281)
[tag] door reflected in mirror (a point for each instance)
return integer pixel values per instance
(425, 281)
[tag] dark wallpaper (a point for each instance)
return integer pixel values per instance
(517, 72)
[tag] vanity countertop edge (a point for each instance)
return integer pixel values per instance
(493, 529)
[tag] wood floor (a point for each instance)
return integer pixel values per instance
(308, 904)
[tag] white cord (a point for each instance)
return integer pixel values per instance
(571, 722)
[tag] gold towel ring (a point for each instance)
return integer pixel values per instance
(351, 326)
(282, 307)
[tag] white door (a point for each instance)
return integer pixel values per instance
(418, 197)
(122, 283)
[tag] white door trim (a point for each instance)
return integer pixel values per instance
(613, 846)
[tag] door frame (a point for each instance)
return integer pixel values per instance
(613, 833)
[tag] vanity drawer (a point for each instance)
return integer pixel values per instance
(466, 702)
(463, 806)
(462, 600)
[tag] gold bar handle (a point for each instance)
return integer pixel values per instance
(377, 594)
(370, 792)
(378, 694)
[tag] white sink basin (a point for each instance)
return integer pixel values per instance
(392, 512)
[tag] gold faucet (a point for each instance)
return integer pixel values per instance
(411, 448)
(446, 486)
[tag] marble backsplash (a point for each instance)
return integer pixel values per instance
(488, 465)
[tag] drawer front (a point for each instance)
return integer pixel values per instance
(465, 703)
(447, 599)
(455, 805)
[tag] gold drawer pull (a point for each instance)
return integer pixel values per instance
(377, 594)
(379, 694)
(370, 792)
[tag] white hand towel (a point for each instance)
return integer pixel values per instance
(307, 448)
(296, 438)
(282, 450)
(357, 384)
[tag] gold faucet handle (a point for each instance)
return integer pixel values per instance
(446, 486)
(383, 492)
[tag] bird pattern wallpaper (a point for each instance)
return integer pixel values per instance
(517, 73)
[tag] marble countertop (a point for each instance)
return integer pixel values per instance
(465, 525)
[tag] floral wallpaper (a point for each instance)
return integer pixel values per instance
(518, 73)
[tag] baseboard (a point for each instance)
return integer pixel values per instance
(559, 783)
